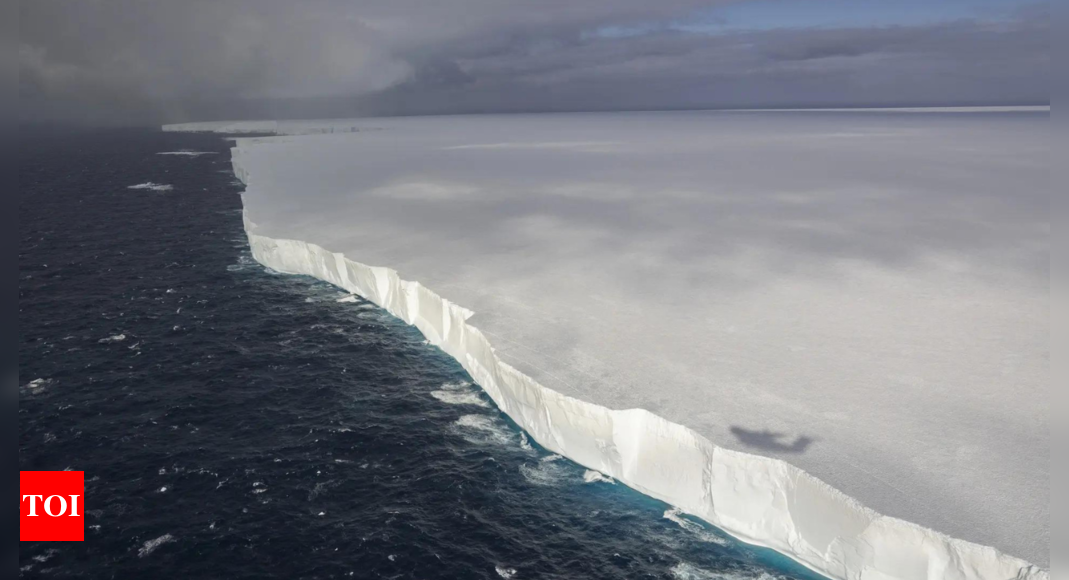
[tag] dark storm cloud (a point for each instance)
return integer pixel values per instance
(959, 62)
(130, 60)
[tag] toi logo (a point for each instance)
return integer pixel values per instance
(52, 503)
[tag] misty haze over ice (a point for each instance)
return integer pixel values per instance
(862, 295)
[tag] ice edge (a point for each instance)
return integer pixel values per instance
(759, 500)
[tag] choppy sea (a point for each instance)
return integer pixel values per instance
(233, 422)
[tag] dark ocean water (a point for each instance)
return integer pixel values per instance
(233, 422)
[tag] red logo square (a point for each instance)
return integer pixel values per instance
(53, 506)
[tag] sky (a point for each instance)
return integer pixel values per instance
(145, 62)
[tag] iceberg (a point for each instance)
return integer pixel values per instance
(848, 305)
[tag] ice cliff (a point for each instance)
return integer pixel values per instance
(890, 305)
(759, 500)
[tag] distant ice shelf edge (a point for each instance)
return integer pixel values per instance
(759, 500)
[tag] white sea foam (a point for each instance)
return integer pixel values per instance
(42, 558)
(114, 338)
(591, 476)
(484, 430)
(549, 471)
(148, 185)
(505, 572)
(699, 531)
(456, 398)
(151, 545)
(456, 385)
(321, 488)
(688, 571)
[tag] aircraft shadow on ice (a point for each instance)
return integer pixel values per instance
(771, 440)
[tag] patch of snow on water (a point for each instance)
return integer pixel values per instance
(676, 515)
(505, 572)
(151, 186)
(151, 545)
(595, 476)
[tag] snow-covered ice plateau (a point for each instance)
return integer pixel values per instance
(723, 310)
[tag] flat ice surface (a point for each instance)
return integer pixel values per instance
(862, 295)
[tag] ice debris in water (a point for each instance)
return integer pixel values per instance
(676, 515)
(151, 545)
(151, 186)
(114, 338)
(347, 299)
(505, 572)
(594, 476)
(38, 385)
